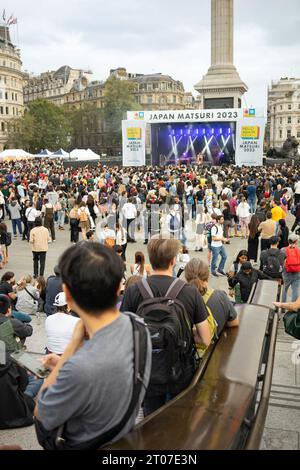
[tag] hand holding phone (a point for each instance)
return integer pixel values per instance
(31, 363)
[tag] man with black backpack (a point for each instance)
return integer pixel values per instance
(272, 260)
(170, 308)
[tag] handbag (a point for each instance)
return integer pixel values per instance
(291, 322)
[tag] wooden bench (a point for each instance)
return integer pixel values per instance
(218, 410)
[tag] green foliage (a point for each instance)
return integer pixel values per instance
(44, 125)
(118, 99)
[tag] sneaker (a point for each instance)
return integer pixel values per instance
(221, 273)
(214, 273)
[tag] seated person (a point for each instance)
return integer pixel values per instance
(17, 388)
(246, 278)
(223, 311)
(28, 296)
(8, 287)
(15, 332)
(59, 327)
(91, 385)
(53, 287)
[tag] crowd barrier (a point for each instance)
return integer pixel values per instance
(225, 406)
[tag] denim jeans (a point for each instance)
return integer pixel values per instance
(291, 280)
(216, 251)
(33, 387)
(23, 317)
(17, 223)
(61, 215)
(252, 204)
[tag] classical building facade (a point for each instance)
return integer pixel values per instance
(11, 83)
(54, 85)
(283, 111)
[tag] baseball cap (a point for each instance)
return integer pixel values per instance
(60, 300)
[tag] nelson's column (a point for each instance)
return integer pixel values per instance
(222, 86)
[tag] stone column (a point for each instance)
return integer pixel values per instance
(221, 32)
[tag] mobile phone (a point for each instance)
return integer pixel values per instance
(30, 362)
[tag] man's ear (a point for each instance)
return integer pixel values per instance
(69, 298)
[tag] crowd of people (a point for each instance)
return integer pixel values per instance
(95, 299)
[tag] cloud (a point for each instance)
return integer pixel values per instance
(169, 36)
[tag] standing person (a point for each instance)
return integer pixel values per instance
(267, 230)
(140, 268)
(277, 211)
(217, 247)
(61, 207)
(183, 259)
(31, 214)
(291, 270)
(84, 223)
(297, 192)
(3, 243)
(48, 212)
(200, 228)
(74, 224)
(227, 220)
(243, 213)
(93, 209)
(129, 212)
(24, 206)
(39, 240)
(272, 260)
(15, 213)
(296, 213)
(73, 395)
(253, 239)
(121, 239)
(251, 191)
(283, 234)
(163, 256)
(233, 204)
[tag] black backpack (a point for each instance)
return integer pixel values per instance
(173, 349)
(272, 266)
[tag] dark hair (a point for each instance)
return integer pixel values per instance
(89, 234)
(242, 253)
(253, 226)
(118, 249)
(140, 260)
(282, 223)
(7, 276)
(4, 304)
(92, 273)
(38, 222)
(269, 215)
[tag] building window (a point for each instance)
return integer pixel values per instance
(289, 120)
(174, 99)
(289, 133)
(289, 106)
(280, 121)
(1, 109)
(298, 120)
(7, 110)
(2, 127)
(280, 107)
(149, 100)
(280, 134)
(298, 134)
(6, 95)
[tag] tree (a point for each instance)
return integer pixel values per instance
(44, 125)
(118, 99)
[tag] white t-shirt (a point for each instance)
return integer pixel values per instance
(217, 231)
(59, 329)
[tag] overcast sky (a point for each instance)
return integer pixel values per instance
(148, 36)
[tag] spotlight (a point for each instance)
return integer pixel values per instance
(173, 132)
(221, 131)
(212, 131)
(197, 131)
(181, 131)
(204, 131)
(229, 131)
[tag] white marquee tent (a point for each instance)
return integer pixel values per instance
(82, 155)
(15, 154)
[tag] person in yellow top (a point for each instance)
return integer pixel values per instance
(277, 212)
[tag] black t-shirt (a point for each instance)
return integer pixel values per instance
(222, 309)
(5, 288)
(189, 296)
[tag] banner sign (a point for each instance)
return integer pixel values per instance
(134, 140)
(250, 135)
(205, 115)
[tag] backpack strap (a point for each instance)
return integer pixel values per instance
(175, 289)
(145, 290)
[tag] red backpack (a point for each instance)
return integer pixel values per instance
(292, 262)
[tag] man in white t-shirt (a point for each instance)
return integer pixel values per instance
(297, 192)
(129, 212)
(59, 326)
(217, 247)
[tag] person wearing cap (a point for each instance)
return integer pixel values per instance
(291, 270)
(246, 278)
(59, 326)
